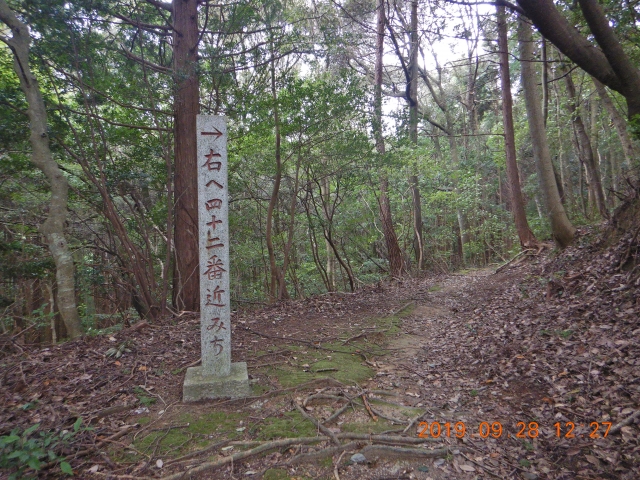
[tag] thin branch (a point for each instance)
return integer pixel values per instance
(83, 84)
(497, 3)
(163, 6)
(153, 66)
(117, 124)
(149, 27)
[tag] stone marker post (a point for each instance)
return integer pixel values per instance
(217, 377)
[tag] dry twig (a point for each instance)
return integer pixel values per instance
(335, 467)
(368, 407)
(618, 426)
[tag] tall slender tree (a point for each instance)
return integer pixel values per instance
(410, 68)
(414, 46)
(585, 150)
(629, 149)
(277, 287)
(609, 64)
(54, 226)
(396, 262)
(527, 239)
(562, 229)
(186, 282)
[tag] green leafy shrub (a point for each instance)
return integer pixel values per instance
(31, 450)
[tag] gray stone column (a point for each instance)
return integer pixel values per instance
(217, 377)
(213, 225)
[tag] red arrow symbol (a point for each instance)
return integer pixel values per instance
(217, 133)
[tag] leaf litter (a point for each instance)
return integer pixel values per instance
(549, 339)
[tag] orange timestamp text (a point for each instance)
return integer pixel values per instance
(522, 430)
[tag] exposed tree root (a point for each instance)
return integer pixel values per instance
(206, 466)
(403, 453)
(318, 424)
(337, 413)
(312, 457)
(505, 265)
(379, 446)
(197, 453)
(390, 439)
(313, 383)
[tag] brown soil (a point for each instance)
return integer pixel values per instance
(546, 340)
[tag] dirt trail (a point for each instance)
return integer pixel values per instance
(430, 367)
(434, 363)
(461, 357)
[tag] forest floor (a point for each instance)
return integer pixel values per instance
(477, 374)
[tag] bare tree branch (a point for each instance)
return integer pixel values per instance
(153, 66)
(160, 5)
(149, 27)
(497, 3)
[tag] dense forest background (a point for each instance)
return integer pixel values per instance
(366, 139)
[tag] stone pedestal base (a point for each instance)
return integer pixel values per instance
(200, 386)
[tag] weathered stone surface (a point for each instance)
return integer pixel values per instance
(198, 385)
(217, 377)
(213, 224)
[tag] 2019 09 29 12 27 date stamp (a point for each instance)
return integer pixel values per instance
(526, 430)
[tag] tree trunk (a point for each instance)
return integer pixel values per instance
(315, 250)
(463, 224)
(276, 283)
(545, 83)
(413, 133)
(283, 294)
(325, 195)
(565, 177)
(628, 148)
(396, 263)
(611, 161)
(413, 75)
(343, 264)
(585, 149)
(583, 206)
(52, 312)
(133, 261)
(562, 229)
(417, 220)
(620, 62)
(527, 239)
(41, 157)
(186, 281)
(609, 63)
(601, 165)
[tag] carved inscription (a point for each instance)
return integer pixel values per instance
(214, 244)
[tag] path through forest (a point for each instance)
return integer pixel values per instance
(544, 342)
